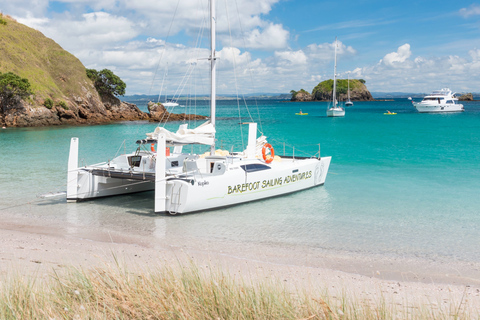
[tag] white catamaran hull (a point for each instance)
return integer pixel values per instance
(195, 184)
(238, 186)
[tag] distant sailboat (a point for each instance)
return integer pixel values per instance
(335, 110)
(349, 102)
(167, 102)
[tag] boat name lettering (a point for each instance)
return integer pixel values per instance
(239, 188)
(296, 177)
(203, 183)
(252, 186)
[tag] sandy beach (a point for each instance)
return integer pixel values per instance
(31, 249)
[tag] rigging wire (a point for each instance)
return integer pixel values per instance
(235, 76)
(249, 69)
(165, 48)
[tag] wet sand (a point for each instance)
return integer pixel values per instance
(33, 248)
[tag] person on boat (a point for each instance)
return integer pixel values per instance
(301, 111)
(388, 111)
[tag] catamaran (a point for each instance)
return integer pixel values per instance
(335, 110)
(189, 182)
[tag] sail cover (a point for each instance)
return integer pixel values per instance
(203, 134)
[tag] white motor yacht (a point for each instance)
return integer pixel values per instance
(439, 101)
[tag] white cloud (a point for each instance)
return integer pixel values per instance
(397, 59)
(23, 8)
(398, 72)
(293, 58)
(325, 52)
(271, 37)
(94, 31)
(473, 10)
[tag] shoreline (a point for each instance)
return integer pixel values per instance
(38, 251)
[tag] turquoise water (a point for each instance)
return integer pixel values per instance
(404, 185)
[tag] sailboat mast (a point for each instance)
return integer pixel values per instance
(334, 94)
(212, 70)
(348, 85)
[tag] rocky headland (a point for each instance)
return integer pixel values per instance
(323, 91)
(62, 93)
(466, 97)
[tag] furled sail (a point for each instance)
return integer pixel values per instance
(203, 134)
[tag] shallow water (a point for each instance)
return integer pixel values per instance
(400, 186)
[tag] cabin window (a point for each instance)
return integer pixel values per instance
(134, 161)
(254, 167)
(449, 101)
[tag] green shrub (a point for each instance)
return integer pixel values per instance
(3, 20)
(13, 89)
(63, 104)
(48, 103)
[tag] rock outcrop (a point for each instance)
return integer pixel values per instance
(302, 96)
(159, 113)
(466, 97)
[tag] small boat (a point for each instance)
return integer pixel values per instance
(390, 113)
(439, 101)
(349, 102)
(301, 114)
(170, 103)
(335, 110)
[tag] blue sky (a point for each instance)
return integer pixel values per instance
(408, 46)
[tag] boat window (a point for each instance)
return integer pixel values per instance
(449, 101)
(134, 161)
(254, 167)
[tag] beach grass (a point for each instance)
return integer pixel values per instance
(189, 292)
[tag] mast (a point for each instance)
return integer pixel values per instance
(334, 94)
(348, 85)
(212, 71)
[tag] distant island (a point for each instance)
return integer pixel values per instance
(323, 91)
(42, 85)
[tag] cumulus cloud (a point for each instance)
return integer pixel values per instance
(93, 31)
(24, 8)
(473, 10)
(398, 72)
(271, 37)
(294, 58)
(325, 51)
(397, 59)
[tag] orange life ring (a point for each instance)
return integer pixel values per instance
(152, 147)
(264, 153)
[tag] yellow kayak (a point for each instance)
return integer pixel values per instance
(390, 113)
(301, 114)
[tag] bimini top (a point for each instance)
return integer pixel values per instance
(203, 134)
